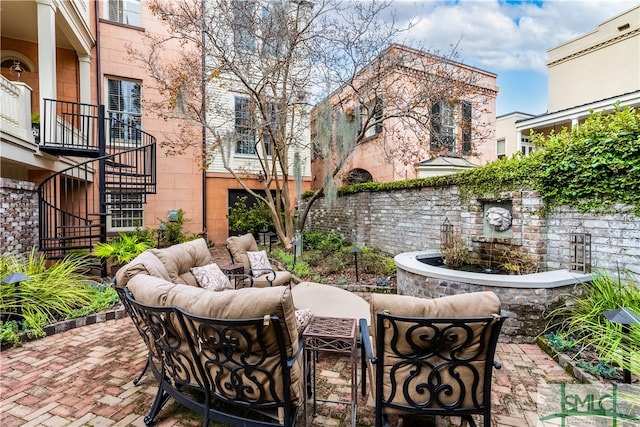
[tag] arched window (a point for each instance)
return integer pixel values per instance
(357, 176)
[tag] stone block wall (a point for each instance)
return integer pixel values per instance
(18, 217)
(410, 220)
(525, 308)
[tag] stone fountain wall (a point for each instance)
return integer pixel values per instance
(410, 220)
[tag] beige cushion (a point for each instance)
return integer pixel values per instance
(145, 263)
(281, 278)
(239, 246)
(210, 277)
(259, 263)
(232, 304)
(178, 259)
(479, 304)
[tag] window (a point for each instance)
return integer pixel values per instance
(124, 11)
(244, 13)
(246, 124)
(124, 110)
(525, 145)
(125, 211)
(501, 148)
(245, 131)
(371, 117)
(443, 127)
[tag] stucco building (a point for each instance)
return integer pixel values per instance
(402, 110)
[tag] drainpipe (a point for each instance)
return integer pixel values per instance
(204, 121)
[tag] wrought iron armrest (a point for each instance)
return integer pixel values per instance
(300, 351)
(268, 270)
(366, 341)
(241, 278)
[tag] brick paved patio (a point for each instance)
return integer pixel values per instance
(83, 377)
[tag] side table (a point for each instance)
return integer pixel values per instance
(337, 335)
(231, 269)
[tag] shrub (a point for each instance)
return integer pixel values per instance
(122, 248)
(324, 242)
(375, 262)
(48, 295)
(455, 253)
(171, 231)
(583, 318)
(249, 219)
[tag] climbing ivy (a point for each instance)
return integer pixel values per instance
(594, 165)
(591, 167)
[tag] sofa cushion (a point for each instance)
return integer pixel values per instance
(259, 263)
(178, 259)
(211, 277)
(239, 246)
(144, 263)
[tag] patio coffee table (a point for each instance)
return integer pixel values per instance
(337, 335)
(330, 301)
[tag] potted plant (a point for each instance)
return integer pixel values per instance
(35, 126)
(121, 249)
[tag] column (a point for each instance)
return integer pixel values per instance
(46, 50)
(84, 62)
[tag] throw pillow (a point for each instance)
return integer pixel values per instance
(259, 262)
(303, 318)
(211, 277)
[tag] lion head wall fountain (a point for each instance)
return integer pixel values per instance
(498, 233)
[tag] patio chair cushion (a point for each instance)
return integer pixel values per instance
(239, 246)
(178, 259)
(478, 304)
(145, 263)
(211, 277)
(259, 263)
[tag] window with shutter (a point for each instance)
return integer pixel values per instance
(371, 117)
(124, 111)
(443, 127)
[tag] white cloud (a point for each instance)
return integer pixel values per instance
(497, 36)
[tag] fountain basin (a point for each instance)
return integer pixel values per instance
(525, 298)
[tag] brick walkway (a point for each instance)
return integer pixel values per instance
(83, 377)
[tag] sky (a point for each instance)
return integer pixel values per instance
(509, 38)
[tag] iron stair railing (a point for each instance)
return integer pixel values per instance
(75, 203)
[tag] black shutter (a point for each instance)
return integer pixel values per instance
(466, 127)
(435, 127)
(377, 111)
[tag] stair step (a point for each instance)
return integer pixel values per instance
(67, 151)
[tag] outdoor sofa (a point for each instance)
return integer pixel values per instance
(224, 354)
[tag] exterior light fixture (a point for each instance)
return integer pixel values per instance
(625, 317)
(15, 279)
(16, 69)
(446, 234)
(260, 176)
(355, 251)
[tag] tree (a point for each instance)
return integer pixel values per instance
(279, 57)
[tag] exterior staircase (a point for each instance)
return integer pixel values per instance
(115, 163)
